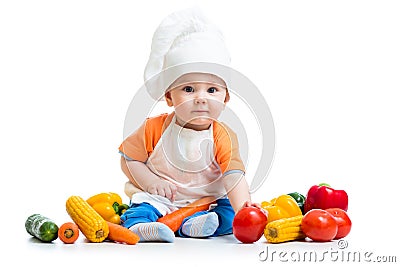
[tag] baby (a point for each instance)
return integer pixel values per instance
(174, 159)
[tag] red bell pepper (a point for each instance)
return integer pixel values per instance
(325, 197)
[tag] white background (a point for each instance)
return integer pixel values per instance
(329, 70)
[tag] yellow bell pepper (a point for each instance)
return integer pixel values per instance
(281, 207)
(107, 205)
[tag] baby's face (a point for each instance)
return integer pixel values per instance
(198, 99)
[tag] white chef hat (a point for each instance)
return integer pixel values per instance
(185, 42)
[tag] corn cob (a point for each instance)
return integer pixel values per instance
(284, 230)
(91, 224)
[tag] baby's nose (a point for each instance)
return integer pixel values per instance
(200, 100)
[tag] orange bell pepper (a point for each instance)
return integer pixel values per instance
(284, 206)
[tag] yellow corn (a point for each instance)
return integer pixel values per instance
(282, 230)
(91, 224)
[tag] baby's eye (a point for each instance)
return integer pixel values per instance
(212, 90)
(188, 89)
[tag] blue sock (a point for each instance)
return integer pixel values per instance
(153, 231)
(201, 226)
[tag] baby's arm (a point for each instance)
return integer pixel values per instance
(238, 194)
(142, 177)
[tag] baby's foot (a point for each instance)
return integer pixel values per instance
(153, 231)
(201, 226)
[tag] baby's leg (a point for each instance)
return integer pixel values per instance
(141, 219)
(217, 221)
(225, 214)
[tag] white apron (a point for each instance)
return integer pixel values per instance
(184, 157)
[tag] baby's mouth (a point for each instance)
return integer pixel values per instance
(200, 111)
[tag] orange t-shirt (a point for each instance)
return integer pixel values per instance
(141, 143)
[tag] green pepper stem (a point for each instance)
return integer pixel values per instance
(115, 207)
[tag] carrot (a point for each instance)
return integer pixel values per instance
(68, 232)
(175, 219)
(120, 234)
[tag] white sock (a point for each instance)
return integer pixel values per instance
(153, 231)
(201, 226)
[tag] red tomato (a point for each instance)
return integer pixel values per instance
(248, 224)
(343, 222)
(319, 225)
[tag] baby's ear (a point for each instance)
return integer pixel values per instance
(168, 98)
(227, 97)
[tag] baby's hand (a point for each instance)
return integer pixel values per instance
(257, 205)
(251, 204)
(163, 188)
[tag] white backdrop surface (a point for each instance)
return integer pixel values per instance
(329, 71)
